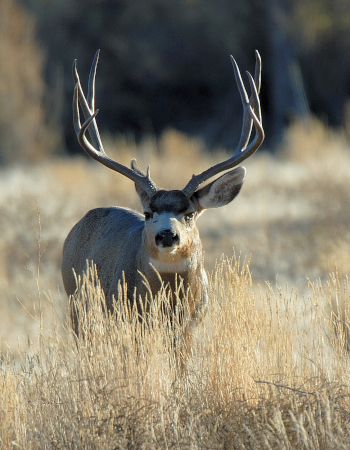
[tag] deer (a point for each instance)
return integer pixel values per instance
(161, 247)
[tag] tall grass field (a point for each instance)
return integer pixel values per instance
(268, 367)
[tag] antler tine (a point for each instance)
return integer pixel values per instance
(251, 115)
(96, 151)
(247, 120)
(91, 82)
(257, 72)
(88, 105)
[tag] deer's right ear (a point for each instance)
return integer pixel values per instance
(221, 191)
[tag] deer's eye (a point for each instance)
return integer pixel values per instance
(189, 216)
(148, 215)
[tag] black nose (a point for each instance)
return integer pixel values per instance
(167, 238)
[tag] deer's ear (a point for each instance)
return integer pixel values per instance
(221, 191)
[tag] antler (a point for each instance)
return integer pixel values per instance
(251, 114)
(96, 150)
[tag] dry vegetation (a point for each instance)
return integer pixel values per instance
(269, 366)
(25, 131)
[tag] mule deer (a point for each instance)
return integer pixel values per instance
(162, 245)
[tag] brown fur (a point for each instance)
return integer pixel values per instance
(163, 246)
(122, 245)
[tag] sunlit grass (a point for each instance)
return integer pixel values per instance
(267, 367)
(272, 369)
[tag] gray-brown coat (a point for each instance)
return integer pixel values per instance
(163, 244)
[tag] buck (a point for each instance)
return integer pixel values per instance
(162, 246)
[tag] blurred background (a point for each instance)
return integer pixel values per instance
(166, 93)
(166, 65)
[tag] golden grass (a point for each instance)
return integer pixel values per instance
(268, 367)
(28, 131)
(263, 373)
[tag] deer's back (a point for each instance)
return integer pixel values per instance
(111, 238)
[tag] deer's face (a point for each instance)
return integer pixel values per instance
(170, 226)
(170, 219)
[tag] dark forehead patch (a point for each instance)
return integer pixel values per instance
(169, 201)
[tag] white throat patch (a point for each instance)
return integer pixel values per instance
(168, 266)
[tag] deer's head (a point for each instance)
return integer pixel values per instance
(170, 216)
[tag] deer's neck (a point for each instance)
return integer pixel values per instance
(183, 276)
(171, 267)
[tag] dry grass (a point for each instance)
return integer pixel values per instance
(269, 365)
(25, 131)
(120, 385)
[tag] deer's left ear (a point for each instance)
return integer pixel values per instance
(222, 191)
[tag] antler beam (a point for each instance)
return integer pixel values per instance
(251, 115)
(96, 150)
